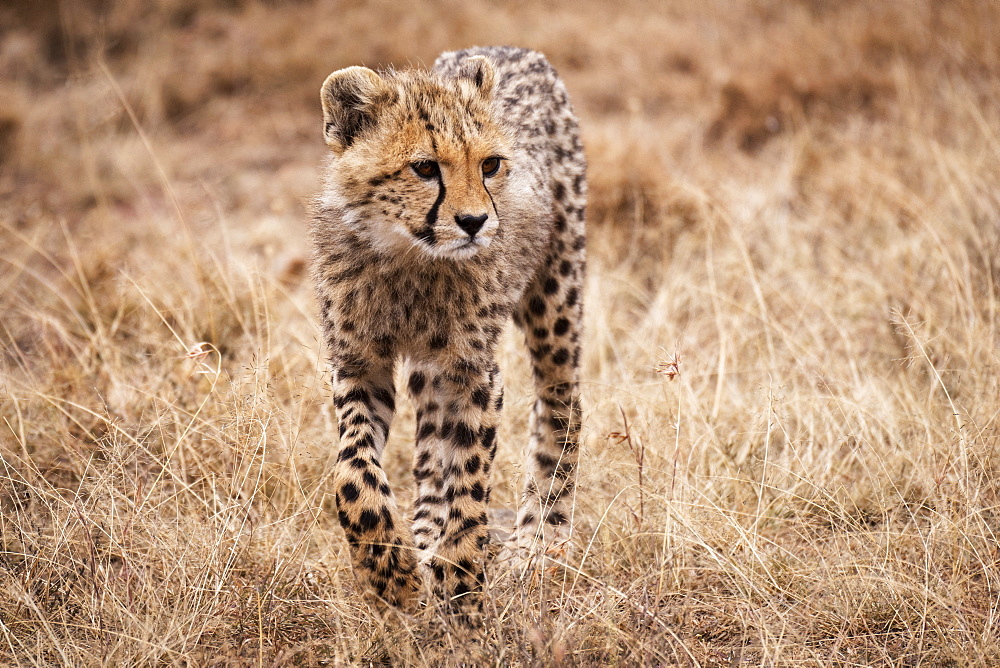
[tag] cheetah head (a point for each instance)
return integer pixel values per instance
(419, 161)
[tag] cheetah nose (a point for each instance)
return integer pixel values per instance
(471, 224)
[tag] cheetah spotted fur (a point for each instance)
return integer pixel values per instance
(453, 200)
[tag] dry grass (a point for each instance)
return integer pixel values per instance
(796, 202)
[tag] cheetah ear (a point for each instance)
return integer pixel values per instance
(478, 70)
(351, 98)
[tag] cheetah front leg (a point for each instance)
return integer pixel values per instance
(381, 545)
(551, 314)
(469, 428)
(430, 509)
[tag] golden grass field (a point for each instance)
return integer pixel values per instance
(797, 202)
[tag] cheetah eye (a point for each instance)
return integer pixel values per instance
(491, 166)
(426, 169)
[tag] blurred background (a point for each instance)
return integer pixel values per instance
(794, 216)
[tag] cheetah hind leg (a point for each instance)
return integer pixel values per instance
(542, 531)
(550, 316)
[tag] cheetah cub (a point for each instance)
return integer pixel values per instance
(452, 200)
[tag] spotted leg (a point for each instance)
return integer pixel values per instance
(550, 316)
(430, 509)
(381, 545)
(470, 431)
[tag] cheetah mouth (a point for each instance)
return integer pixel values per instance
(472, 246)
(460, 249)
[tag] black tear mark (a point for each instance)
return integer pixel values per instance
(427, 234)
(494, 204)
